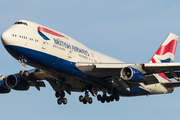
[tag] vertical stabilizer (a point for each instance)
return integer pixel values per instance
(166, 51)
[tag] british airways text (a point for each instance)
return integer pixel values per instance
(71, 47)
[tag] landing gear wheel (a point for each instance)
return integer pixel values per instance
(25, 73)
(86, 98)
(84, 101)
(90, 100)
(111, 98)
(81, 98)
(57, 94)
(59, 101)
(107, 99)
(62, 94)
(99, 97)
(20, 73)
(102, 100)
(104, 97)
(116, 98)
(64, 101)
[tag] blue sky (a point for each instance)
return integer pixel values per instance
(127, 30)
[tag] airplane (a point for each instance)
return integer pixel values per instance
(69, 66)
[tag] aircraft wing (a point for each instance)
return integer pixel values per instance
(109, 69)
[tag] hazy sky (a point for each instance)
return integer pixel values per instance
(128, 30)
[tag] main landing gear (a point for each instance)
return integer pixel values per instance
(104, 98)
(61, 99)
(86, 99)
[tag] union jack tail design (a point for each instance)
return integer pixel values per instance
(165, 54)
(166, 51)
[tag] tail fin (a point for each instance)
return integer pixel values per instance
(166, 51)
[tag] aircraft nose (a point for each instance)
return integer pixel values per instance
(6, 38)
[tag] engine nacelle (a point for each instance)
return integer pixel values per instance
(131, 74)
(4, 88)
(16, 82)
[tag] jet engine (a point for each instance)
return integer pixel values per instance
(16, 82)
(131, 74)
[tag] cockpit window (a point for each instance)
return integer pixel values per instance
(21, 23)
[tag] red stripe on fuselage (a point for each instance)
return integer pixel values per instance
(50, 31)
(170, 47)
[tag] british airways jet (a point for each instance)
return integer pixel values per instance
(69, 66)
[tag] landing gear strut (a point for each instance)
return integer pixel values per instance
(61, 99)
(23, 73)
(86, 99)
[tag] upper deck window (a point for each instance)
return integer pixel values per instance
(21, 23)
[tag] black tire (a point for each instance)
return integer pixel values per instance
(86, 98)
(81, 98)
(62, 94)
(102, 100)
(57, 94)
(20, 73)
(112, 98)
(108, 99)
(104, 97)
(26, 73)
(90, 100)
(59, 101)
(117, 97)
(99, 97)
(64, 101)
(84, 101)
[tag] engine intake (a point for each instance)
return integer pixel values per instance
(131, 74)
(16, 82)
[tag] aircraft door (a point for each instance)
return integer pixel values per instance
(70, 55)
(43, 46)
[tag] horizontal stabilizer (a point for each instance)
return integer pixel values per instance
(171, 76)
(171, 84)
